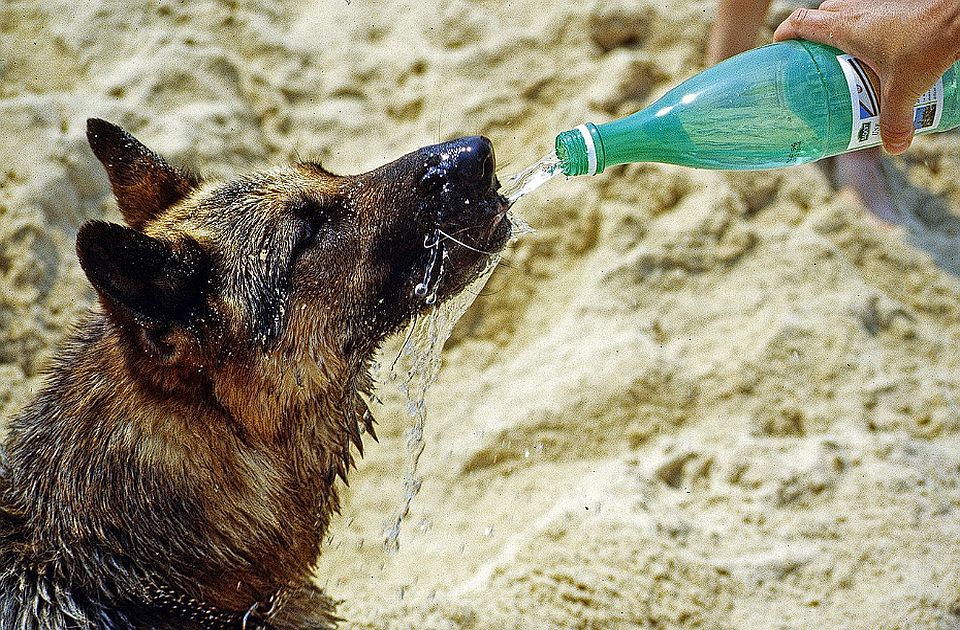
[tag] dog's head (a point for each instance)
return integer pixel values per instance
(296, 259)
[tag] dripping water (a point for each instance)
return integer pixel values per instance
(414, 370)
(418, 363)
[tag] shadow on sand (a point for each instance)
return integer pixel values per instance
(928, 221)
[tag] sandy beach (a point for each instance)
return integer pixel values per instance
(688, 399)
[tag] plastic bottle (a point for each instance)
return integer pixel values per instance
(778, 105)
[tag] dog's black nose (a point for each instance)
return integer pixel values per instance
(476, 162)
(471, 160)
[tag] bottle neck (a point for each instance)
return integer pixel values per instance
(581, 151)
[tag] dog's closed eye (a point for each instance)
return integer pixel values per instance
(315, 223)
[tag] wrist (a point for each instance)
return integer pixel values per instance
(951, 25)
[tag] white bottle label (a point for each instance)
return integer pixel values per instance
(865, 100)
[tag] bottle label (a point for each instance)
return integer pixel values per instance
(865, 99)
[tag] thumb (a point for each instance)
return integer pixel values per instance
(812, 24)
(896, 116)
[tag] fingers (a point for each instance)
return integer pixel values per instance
(813, 24)
(826, 25)
(896, 116)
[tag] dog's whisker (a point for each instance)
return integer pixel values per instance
(489, 293)
(465, 229)
(462, 244)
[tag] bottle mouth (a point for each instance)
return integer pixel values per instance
(580, 150)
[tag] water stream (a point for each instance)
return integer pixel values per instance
(531, 178)
(412, 372)
(418, 363)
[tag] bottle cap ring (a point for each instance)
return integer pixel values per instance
(591, 149)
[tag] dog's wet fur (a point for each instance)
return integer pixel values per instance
(179, 468)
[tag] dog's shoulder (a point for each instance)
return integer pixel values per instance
(32, 597)
(36, 602)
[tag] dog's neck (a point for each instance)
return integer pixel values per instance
(239, 512)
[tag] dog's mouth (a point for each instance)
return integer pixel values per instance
(465, 222)
(438, 222)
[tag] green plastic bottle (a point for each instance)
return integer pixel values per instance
(778, 105)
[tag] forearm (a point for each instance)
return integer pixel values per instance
(736, 28)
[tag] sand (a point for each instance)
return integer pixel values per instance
(689, 399)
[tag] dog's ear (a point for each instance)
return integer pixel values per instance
(158, 285)
(143, 182)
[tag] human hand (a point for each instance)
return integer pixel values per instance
(908, 44)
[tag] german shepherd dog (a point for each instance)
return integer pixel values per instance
(179, 467)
